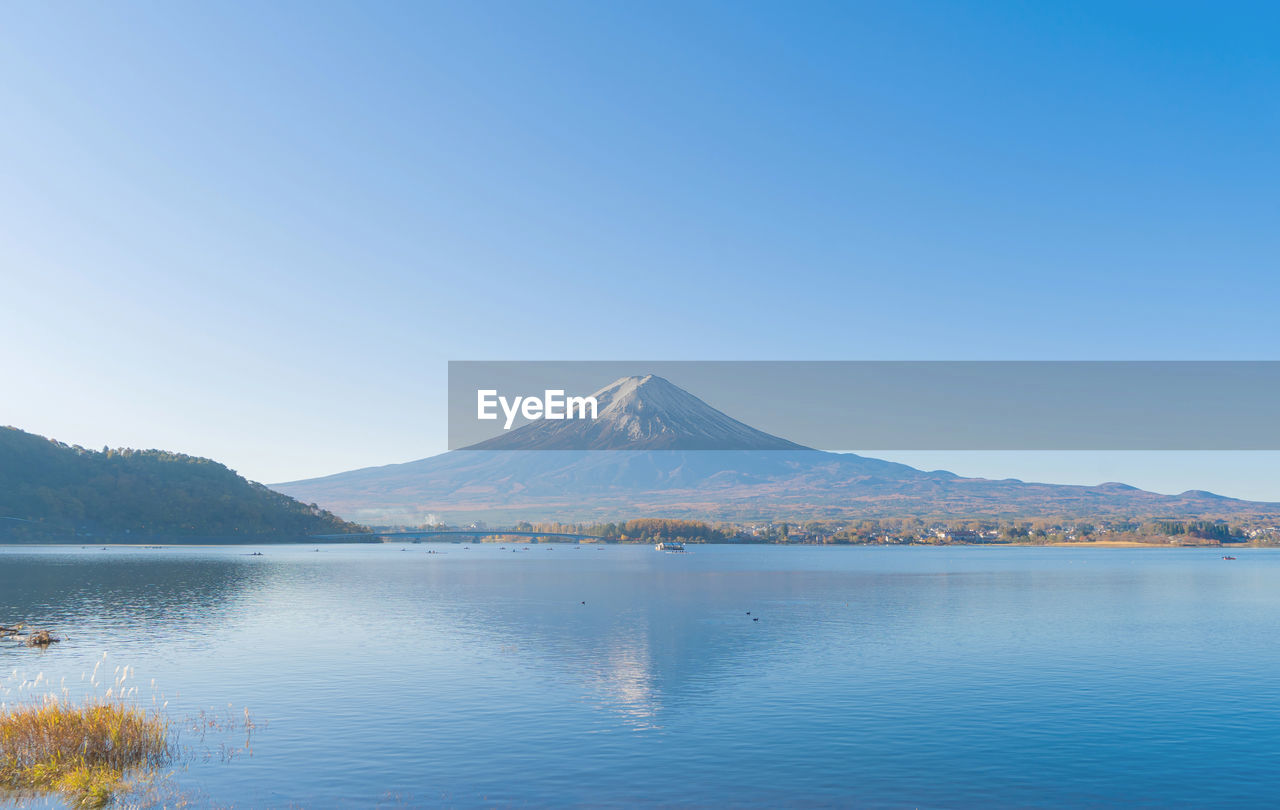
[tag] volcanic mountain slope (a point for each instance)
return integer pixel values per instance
(523, 475)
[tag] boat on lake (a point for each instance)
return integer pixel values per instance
(670, 547)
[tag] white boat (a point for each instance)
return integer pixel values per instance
(670, 547)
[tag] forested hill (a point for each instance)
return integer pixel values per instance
(49, 488)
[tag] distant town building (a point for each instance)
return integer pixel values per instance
(957, 536)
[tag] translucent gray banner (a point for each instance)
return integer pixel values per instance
(865, 405)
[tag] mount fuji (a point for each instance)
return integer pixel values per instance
(648, 455)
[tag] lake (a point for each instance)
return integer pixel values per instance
(475, 676)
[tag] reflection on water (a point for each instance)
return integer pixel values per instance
(626, 682)
(555, 676)
(139, 588)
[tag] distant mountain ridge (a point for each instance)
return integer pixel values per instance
(661, 471)
(50, 490)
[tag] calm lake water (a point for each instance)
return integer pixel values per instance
(875, 677)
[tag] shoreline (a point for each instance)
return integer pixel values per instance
(1114, 544)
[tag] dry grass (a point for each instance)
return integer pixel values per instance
(84, 752)
(93, 749)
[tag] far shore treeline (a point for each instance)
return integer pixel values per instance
(897, 531)
(53, 492)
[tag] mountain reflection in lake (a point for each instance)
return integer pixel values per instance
(874, 676)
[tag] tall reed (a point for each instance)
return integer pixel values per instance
(83, 751)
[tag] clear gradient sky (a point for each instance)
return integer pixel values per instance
(258, 231)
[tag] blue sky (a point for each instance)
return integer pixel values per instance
(257, 232)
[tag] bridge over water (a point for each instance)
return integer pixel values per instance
(443, 533)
